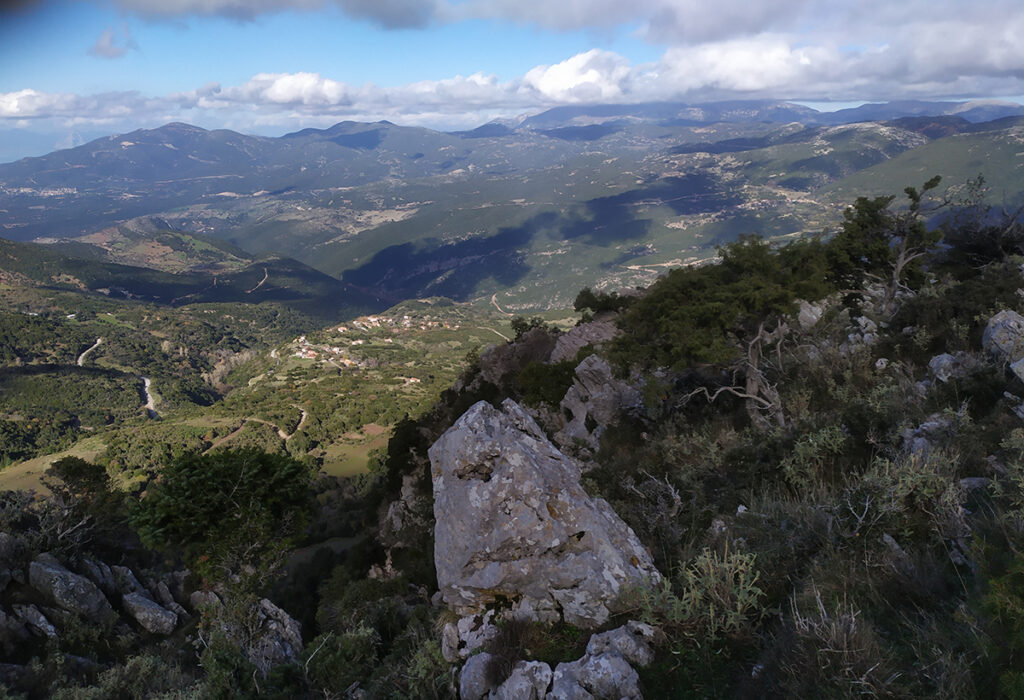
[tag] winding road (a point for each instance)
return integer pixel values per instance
(150, 404)
(81, 358)
(252, 419)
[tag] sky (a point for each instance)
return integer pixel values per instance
(71, 70)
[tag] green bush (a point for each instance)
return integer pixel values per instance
(207, 504)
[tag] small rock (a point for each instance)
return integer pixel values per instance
(809, 314)
(473, 681)
(153, 618)
(606, 675)
(975, 483)
(945, 366)
(717, 528)
(101, 575)
(13, 633)
(162, 595)
(202, 599)
(126, 582)
(593, 333)
(595, 401)
(471, 632)
(634, 640)
(36, 621)
(529, 680)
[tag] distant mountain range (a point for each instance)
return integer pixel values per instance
(607, 195)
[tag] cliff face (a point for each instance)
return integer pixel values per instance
(513, 524)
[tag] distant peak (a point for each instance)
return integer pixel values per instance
(182, 126)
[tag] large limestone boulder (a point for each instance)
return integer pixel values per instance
(514, 524)
(67, 590)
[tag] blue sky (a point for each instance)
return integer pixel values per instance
(75, 69)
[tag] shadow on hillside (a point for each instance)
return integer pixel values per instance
(456, 270)
(453, 270)
(610, 220)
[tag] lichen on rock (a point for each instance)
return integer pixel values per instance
(513, 525)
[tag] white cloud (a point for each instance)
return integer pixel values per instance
(113, 45)
(593, 76)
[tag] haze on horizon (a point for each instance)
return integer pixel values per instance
(72, 70)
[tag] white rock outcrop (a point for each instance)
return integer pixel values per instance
(595, 400)
(513, 524)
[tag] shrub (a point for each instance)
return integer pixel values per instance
(718, 599)
(207, 504)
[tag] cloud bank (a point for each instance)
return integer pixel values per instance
(809, 50)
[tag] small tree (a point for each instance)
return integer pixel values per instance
(877, 244)
(230, 507)
(731, 314)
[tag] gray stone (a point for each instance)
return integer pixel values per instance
(921, 440)
(594, 333)
(12, 556)
(278, 638)
(473, 681)
(945, 366)
(153, 618)
(67, 590)
(203, 599)
(513, 523)
(634, 641)
(1017, 368)
(1004, 336)
(101, 575)
(529, 680)
(176, 584)
(162, 594)
(36, 620)
(126, 582)
(809, 314)
(498, 360)
(606, 675)
(595, 398)
(459, 640)
(975, 483)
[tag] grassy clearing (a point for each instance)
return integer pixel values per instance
(26, 475)
(348, 459)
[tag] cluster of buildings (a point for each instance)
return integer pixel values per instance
(366, 323)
